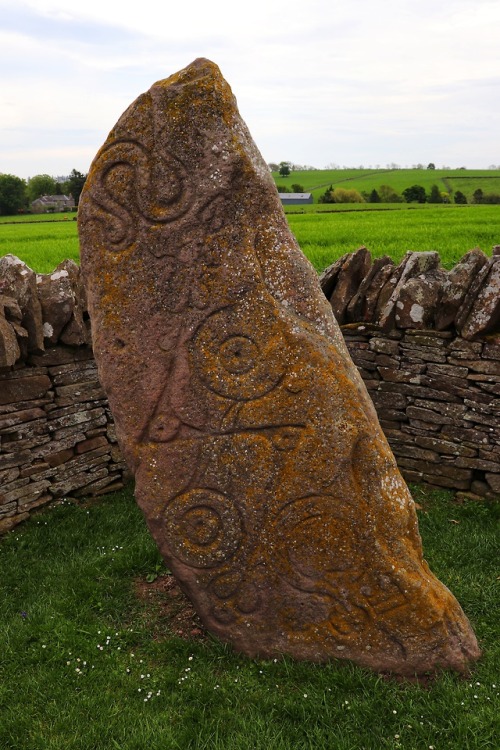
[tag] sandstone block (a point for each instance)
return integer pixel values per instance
(259, 463)
(455, 287)
(27, 388)
(354, 269)
(19, 281)
(484, 315)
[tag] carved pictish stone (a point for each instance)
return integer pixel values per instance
(259, 463)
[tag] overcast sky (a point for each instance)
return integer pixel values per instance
(318, 82)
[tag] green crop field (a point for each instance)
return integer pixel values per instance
(366, 180)
(40, 244)
(450, 230)
(324, 232)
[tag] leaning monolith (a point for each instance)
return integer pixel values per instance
(259, 462)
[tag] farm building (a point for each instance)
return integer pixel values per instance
(52, 203)
(295, 199)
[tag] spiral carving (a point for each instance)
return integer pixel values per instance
(131, 182)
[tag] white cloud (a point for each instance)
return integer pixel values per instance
(316, 82)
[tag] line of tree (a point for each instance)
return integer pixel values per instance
(412, 194)
(17, 194)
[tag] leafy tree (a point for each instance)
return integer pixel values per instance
(282, 189)
(435, 195)
(341, 195)
(459, 197)
(273, 167)
(284, 169)
(40, 184)
(296, 188)
(477, 196)
(75, 184)
(415, 194)
(389, 195)
(12, 194)
(431, 165)
(327, 196)
(374, 197)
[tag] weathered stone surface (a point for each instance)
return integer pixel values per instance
(362, 304)
(328, 277)
(17, 280)
(412, 265)
(30, 387)
(63, 305)
(484, 316)
(9, 346)
(419, 299)
(259, 462)
(455, 286)
(352, 272)
(471, 295)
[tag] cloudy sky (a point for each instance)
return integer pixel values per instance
(318, 82)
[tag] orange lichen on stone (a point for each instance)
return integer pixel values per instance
(260, 465)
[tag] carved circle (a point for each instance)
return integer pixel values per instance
(238, 357)
(316, 537)
(238, 354)
(204, 527)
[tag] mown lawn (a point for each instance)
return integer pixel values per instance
(87, 662)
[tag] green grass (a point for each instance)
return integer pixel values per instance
(38, 218)
(448, 180)
(75, 642)
(324, 232)
(450, 230)
(41, 245)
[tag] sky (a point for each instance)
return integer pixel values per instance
(318, 82)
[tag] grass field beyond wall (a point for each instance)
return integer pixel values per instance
(323, 235)
(85, 664)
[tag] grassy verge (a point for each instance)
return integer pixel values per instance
(86, 663)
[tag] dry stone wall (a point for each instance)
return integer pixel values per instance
(57, 436)
(425, 340)
(437, 398)
(427, 344)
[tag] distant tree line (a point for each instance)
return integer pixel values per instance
(17, 195)
(412, 194)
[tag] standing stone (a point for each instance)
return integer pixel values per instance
(259, 463)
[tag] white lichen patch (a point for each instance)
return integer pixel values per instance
(393, 486)
(417, 313)
(48, 331)
(58, 275)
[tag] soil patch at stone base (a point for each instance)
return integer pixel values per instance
(168, 610)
